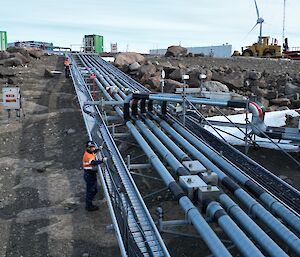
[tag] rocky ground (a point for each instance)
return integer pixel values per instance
(41, 185)
(273, 82)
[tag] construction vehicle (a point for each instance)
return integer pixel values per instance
(263, 48)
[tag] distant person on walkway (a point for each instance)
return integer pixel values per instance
(67, 67)
(90, 168)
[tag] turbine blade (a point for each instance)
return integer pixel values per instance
(253, 28)
(257, 11)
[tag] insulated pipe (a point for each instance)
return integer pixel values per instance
(181, 155)
(101, 62)
(163, 151)
(254, 223)
(255, 208)
(231, 229)
(109, 77)
(266, 198)
(207, 234)
(243, 219)
(167, 155)
(251, 227)
(195, 100)
(246, 247)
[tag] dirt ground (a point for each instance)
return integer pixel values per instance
(42, 189)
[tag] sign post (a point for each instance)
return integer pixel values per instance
(11, 99)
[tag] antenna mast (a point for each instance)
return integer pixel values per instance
(283, 25)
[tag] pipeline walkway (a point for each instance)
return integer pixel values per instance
(129, 213)
(257, 223)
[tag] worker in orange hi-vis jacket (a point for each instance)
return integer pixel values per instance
(67, 67)
(90, 163)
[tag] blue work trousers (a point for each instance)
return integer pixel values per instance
(90, 178)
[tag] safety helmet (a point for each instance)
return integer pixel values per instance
(90, 143)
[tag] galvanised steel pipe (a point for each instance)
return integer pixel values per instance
(255, 208)
(242, 242)
(206, 233)
(273, 204)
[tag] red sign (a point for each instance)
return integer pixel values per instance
(93, 76)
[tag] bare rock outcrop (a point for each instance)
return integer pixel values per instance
(215, 86)
(126, 59)
(4, 55)
(176, 51)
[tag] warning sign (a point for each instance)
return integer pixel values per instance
(11, 98)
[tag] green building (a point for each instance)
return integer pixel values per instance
(93, 44)
(3, 40)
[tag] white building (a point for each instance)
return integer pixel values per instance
(224, 50)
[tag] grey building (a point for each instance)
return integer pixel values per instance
(215, 51)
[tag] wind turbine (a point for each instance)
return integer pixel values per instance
(259, 21)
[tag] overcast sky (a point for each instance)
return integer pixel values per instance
(142, 25)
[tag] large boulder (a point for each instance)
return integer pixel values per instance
(256, 83)
(281, 101)
(7, 72)
(215, 86)
(35, 52)
(176, 51)
(233, 80)
(147, 70)
(271, 94)
(194, 74)
(14, 80)
(4, 55)
(22, 50)
(21, 57)
(171, 85)
(154, 83)
(11, 62)
(125, 59)
(291, 89)
(259, 91)
(134, 66)
(167, 67)
(296, 103)
(177, 74)
(254, 75)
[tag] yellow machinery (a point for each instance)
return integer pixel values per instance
(263, 49)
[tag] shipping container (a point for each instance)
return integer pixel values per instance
(93, 44)
(3, 40)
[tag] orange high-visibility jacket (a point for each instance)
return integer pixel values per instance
(86, 161)
(66, 62)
